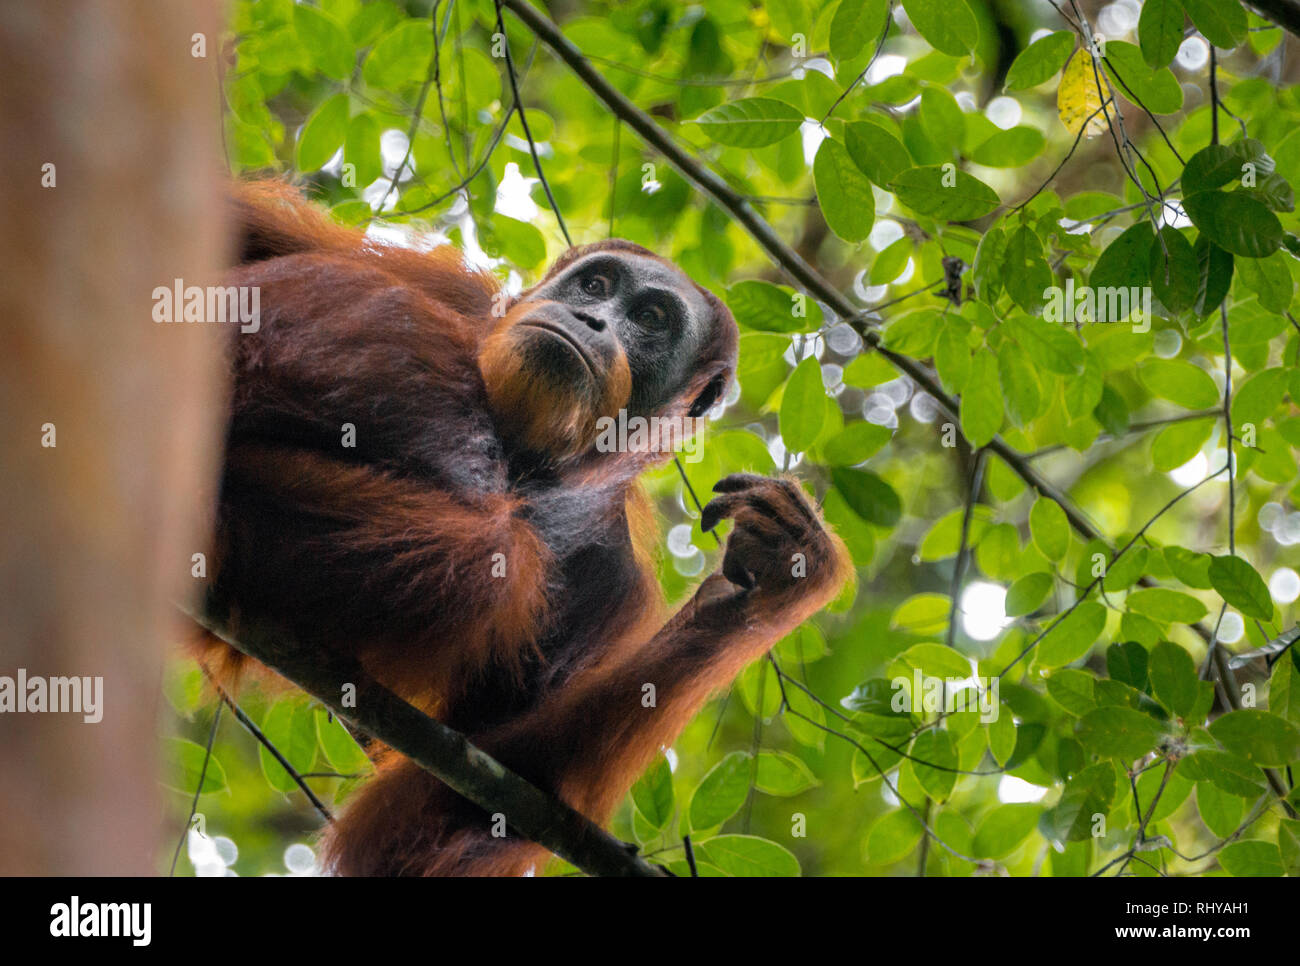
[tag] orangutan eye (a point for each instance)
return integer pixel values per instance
(650, 316)
(596, 286)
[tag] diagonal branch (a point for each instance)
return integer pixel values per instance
(788, 259)
(433, 746)
(1284, 13)
(777, 249)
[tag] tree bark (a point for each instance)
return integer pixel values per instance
(98, 529)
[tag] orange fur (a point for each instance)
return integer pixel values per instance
(464, 459)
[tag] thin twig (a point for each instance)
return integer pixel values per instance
(266, 743)
(523, 123)
(198, 790)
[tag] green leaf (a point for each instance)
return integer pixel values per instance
(1021, 392)
(1238, 583)
(937, 660)
(1166, 606)
(1288, 843)
(1126, 571)
(1126, 661)
(721, 792)
(1258, 397)
(1049, 527)
(1025, 274)
(183, 763)
(1051, 347)
(1173, 678)
(803, 406)
(1160, 31)
(1253, 858)
(1071, 637)
(1214, 273)
(653, 794)
(1087, 794)
(1157, 90)
(944, 536)
(925, 613)
(1193, 569)
(1216, 165)
(986, 273)
(1220, 811)
(1112, 412)
(361, 149)
(1002, 735)
(856, 23)
(1284, 691)
(325, 41)
(869, 369)
(876, 697)
(804, 645)
(1235, 222)
(323, 134)
(934, 759)
(1270, 278)
(868, 495)
(1039, 61)
(781, 773)
(751, 122)
(877, 153)
(1175, 273)
(401, 57)
(1261, 737)
(1027, 594)
(1010, 148)
(843, 192)
(942, 120)
(890, 263)
(893, 837)
(1222, 22)
(183, 686)
(749, 856)
(952, 195)
(1177, 443)
(1003, 829)
(290, 725)
(952, 358)
(855, 443)
(915, 333)
(1180, 382)
(1072, 690)
(1118, 732)
(518, 242)
(771, 308)
(981, 401)
(948, 25)
(1125, 263)
(1229, 772)
(340, 748)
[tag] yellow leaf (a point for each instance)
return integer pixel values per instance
(1079, 98)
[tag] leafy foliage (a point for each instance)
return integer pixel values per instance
(1004, 256)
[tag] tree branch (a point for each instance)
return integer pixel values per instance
(777, 250)
(789, 260)
(432, 745)
(1284, 13)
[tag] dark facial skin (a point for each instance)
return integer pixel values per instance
(609, 299)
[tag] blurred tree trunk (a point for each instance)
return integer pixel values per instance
(98, 531)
